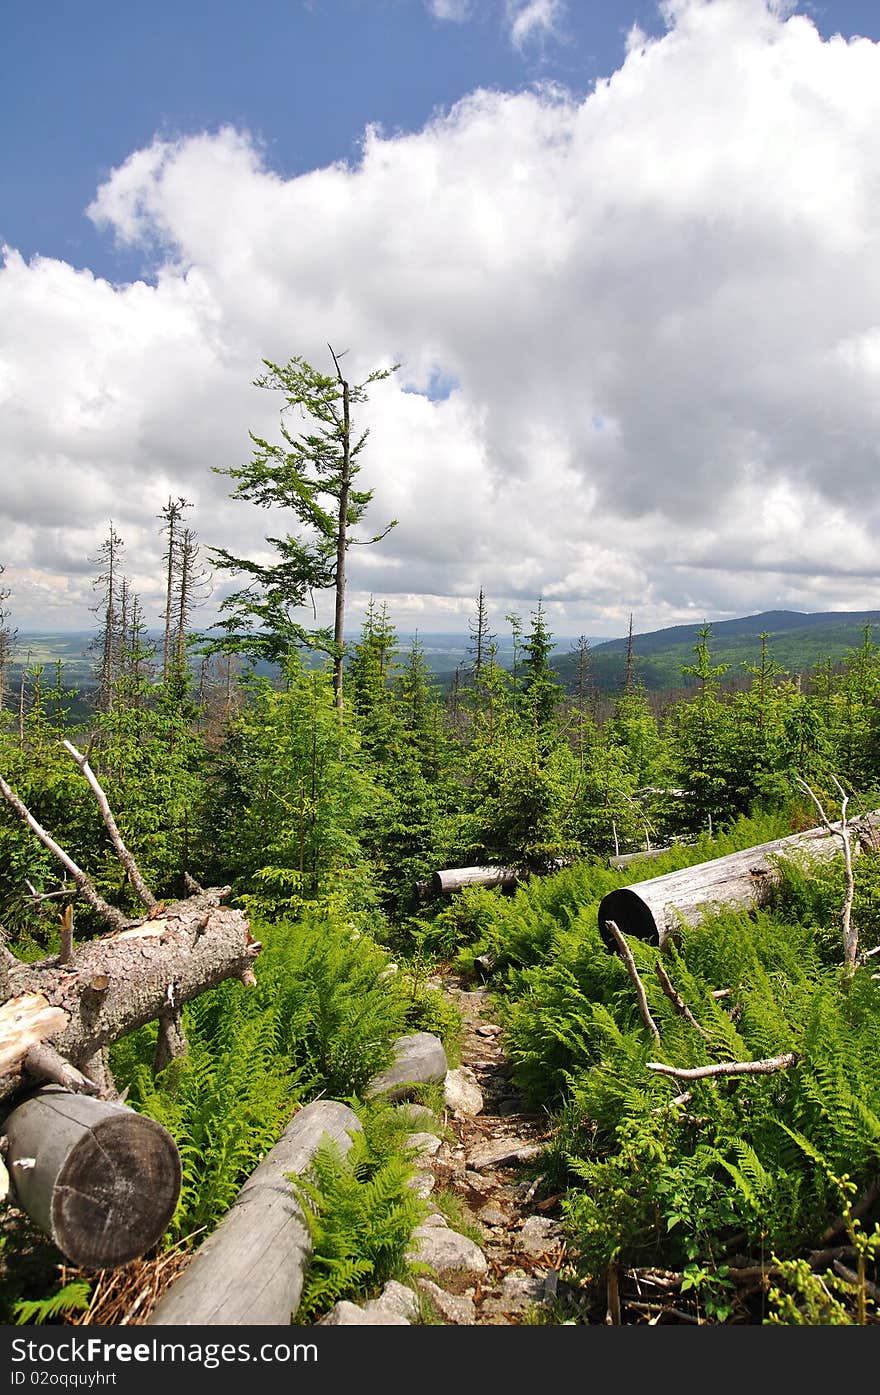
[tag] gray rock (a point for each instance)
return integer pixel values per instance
(436, 1218)
(419, 1059)
(396, 1299)
(506, 1150)
(453, 1308)
(425, 1144)
(453, 1257)
(422, 1184)
(461, 1091)
(492, 1215)
(538, 1235)
(350, 1315)
(418, 1116)
(515, 1296)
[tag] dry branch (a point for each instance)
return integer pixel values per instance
(144, 894)
(850, 935)
(84, 885)
(764, 1067)
(677, 1000)
(626, 956)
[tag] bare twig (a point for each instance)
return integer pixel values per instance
(86, 889)
(851, 1277)
(849, 932)
(764, 1067)
(684, 1098)
(677, 1000)
(143, 892)
(626, 956)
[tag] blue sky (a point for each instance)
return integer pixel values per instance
(630, 286)
(84, 85)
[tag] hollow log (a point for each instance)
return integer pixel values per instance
(251, 1269)
(456, 878)
(116, 983)
(100, 1180)
(652, 910)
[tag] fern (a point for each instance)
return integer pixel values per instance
(360, 1211)
(73, 1297)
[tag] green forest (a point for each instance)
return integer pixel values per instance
(327, 797)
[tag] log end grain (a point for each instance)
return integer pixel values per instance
(628, 911)
(115, 1197)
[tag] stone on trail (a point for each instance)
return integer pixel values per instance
(419, 1059)
(461, 1091)
(347, 1314)
(395, 1299)
(453, 1257)
(516, 1295)
(538, 1235)
(506, 1150)
(454, 1308)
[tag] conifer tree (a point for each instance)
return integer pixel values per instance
(311, 473)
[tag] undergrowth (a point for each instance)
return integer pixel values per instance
(361, 1212)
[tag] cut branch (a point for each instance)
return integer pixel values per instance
(626, 956)
(86, 889)
(677, 1000)
(143, 892)
(764, 1067)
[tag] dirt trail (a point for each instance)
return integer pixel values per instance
(493, 1166)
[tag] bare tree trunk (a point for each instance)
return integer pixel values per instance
(341, 544)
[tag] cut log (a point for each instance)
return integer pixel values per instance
(653, 909)
(100, 1180)
(251, 1270)
(456, 878)
(114, 984)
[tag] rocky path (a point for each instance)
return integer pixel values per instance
(492, 1166)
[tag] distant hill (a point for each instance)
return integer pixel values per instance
(797, 641)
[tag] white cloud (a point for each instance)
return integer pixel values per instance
(531, 20)
(656, 312)
(455, 10)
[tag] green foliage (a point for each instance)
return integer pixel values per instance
(322, 1018)
(70, 1298)
(361, 1213)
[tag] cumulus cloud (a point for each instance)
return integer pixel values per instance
(639, 337)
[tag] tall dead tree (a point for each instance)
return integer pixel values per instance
(481, 638)
(7, 641)
(109, 640)
(172, 514)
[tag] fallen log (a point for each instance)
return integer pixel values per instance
(120, 981)
(653, 909)
(456, 878)
(251, 1270)
(100, 1180)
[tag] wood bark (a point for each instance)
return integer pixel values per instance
(251, 1270)
(116, 983)
(654, 909)
(100, 1180)
(456, 878)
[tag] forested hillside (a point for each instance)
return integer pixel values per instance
(326, 800)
